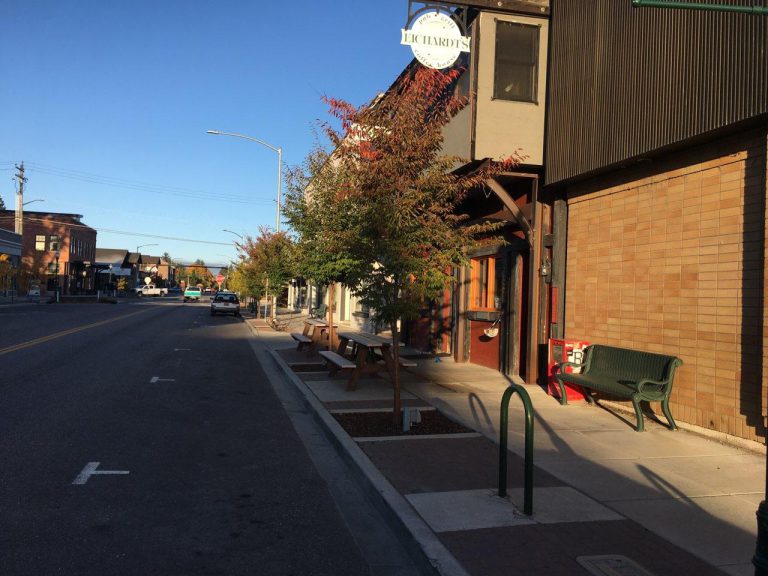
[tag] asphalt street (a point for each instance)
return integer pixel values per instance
(146, 438)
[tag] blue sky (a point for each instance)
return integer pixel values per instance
(108, 104)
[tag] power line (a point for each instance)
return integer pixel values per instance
(139, 186)
(120, 232)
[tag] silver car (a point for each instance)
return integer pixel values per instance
(225, 303)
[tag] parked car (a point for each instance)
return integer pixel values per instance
(192, 293)
(225, 303)
(34, 291)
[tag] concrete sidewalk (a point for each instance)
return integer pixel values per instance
(606, 500)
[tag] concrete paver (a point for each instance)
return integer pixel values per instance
(673, 502)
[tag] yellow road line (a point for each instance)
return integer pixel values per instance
(63, 333)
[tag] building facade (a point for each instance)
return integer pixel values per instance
(656, 174)
(10, 262)
(58, 251)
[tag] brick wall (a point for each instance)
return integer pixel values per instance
(668, 256)
(77, 244)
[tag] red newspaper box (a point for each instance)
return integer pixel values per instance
(565, 350)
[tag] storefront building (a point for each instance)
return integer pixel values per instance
(656, 172)
(10, 262)
(58, 251)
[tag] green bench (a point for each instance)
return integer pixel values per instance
(319, 312)
(626, 374)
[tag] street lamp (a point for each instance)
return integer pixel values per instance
(57, 254)
(109, 286)
(137, 260)
(235, 233)
(19, 227)
(277, 149)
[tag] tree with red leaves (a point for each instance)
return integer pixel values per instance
(383, 203)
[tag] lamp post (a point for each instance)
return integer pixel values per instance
(19, 228)
(279, 151)
(235, 233)
(109, 286)
(57, 254)
(137, 261)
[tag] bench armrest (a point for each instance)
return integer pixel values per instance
(563, 365)
(662, 384)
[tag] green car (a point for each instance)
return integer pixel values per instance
(192, 293)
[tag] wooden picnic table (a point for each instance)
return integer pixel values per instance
(314, 333)
(370, 353)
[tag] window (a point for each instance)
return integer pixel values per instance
(487, 283)
(54, 243)
(516, 67)
(40, 242)
(361, 309)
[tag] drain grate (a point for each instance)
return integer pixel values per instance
(612, 565)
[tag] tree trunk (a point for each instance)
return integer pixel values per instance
(329, 316)
(397, 404)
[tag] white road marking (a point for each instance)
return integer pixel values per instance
(182, 349)
(91, 470)
(156, 379)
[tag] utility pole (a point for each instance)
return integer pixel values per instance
(19, 221)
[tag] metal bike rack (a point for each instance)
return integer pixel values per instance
(503, 428)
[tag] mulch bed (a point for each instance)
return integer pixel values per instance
(360, 424)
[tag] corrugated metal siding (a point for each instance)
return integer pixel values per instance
(624, 81)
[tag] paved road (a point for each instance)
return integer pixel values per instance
(145, 439)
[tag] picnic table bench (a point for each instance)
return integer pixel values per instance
(627, 374)
(369, 354)
(301, 339)
(312, 335)
(336, 361)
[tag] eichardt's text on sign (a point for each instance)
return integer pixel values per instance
(435, 39)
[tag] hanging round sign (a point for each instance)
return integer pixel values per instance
(435, 39)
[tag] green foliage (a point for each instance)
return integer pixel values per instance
(196, 274)
(320, 213)
(267, 263)
(380, 213)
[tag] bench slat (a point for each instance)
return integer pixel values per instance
(299, 337)
(337, 360)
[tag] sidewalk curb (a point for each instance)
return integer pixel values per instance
(419, 537)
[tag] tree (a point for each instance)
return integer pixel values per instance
(7, 273)
(267, 263)
(181, 272)
(2, 204)
(391, 198)
(319, 212)
(198, 274)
